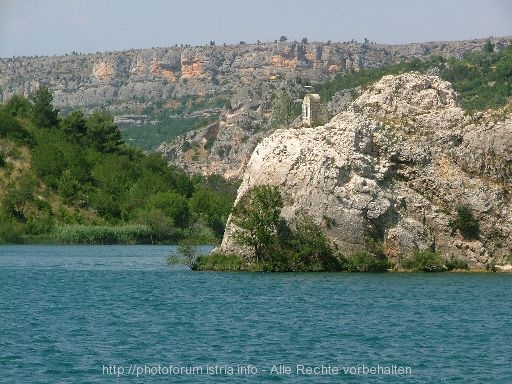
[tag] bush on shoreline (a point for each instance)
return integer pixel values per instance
(366, 262)
(428, 261)
(84, 234)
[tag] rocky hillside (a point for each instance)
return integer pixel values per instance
(225, 146)
(399, 166)
(132, 79)
(224, 89)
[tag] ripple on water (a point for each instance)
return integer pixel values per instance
(65, 312)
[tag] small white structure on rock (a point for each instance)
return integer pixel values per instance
(311, 110)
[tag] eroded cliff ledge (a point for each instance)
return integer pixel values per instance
(396, 165)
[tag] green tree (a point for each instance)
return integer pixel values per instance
(282, 108)
(18, 106)
(173, 205)
(311, 249)
(102, 134)
(488, 47)
(161, 225)
(42, 111)
(48, 158)
(258, 216)
(75, 126)
(12, 129)
(212, 207)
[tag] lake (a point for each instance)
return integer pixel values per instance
(91, 314)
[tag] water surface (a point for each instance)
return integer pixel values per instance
(80, 314)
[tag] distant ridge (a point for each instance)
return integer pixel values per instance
(125, 81)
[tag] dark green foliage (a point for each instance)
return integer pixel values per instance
(42, 112)
(12, 129)
(172, 205)
(309, 249)
(219, 262)
(466, 223)
(81, 162)
(75, 126)
(11, 230)
(18, 106)
(455, 263)
(212, 207)
(258, 215)
(425, 261)
(101, 133)
(367, 262)
(278, 246)
(489, 47)
(162, 227)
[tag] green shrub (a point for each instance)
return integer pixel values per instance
(366, 262)
(11, 231)
(84, 234)
(186, 254)
(466, 223)
(219, 262)
(280, 246)
(425, 261)
(308, 249)
(455, 263)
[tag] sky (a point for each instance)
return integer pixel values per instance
(56, 27)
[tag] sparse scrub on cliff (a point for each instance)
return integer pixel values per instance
(466, 223)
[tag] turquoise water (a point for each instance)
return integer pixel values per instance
(88, 314)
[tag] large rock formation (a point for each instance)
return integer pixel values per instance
(395, 166)
(131, 84)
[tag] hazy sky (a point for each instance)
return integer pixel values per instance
(48, 27)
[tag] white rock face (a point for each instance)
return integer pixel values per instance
(409, 94)
(395, 166)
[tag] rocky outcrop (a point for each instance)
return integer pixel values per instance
(395, 166)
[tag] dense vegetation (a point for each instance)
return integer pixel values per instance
(280, 246)
(483, 79)
(73, 179)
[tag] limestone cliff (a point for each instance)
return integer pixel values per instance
(131, 83)
(395, 166)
